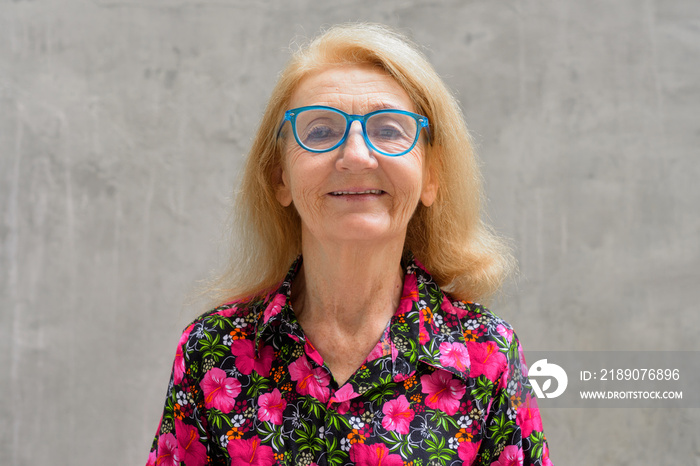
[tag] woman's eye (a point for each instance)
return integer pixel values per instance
(388, 133)
(318, 133)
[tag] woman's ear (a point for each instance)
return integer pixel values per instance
(283, 192)
(430, 186)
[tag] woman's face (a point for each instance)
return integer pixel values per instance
(352, 192)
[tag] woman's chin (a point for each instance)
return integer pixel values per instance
(362, 229)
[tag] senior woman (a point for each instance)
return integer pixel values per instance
(372, 349)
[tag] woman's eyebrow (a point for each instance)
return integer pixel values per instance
(384, 105)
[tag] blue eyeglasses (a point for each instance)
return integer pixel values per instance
(321, 129)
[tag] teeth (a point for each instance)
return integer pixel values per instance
(370, 191)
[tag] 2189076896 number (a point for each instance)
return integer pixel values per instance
(640, 374)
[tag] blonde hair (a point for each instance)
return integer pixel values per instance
(463, 255)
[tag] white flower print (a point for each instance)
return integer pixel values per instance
(239, 322)
(237, 420)
(472, 324)
(356, 422)
(181, 398)
(464, 421)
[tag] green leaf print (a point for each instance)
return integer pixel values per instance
(501, 428)
(442, 419)
(313, 406)
(335, 455)
(308, 439)
(438, 449)
(212, 347)
(257, 384)
(217, 418)
(403, 443)
(269, 432)
(483, 389)
(537, 440)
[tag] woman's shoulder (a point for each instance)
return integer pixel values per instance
(221, 325)
(476, 318)
(493, 347)
(239, 309)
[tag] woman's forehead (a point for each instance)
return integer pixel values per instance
(352, 88)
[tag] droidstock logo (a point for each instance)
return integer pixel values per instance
(548, 371)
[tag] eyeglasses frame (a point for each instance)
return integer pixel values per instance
(291, 115)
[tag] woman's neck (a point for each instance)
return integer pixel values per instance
(344, 297)
(348, 285)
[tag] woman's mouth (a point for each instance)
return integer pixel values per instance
(345, 193)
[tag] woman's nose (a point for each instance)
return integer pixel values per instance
(355, 154)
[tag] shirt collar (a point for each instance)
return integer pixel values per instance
(276, 310)
(423, 321)
(431, 320)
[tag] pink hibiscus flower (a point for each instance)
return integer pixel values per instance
(151, 458)
(373, 455)
(244, 350)
(506, 333)
(250, 452)
(191, 450)
(313, 353)
(398, 415)
(310, 381)
(487, 360)
(274, 308)
(377, 352)
(529, 416)
(167, 451)
(409, 295)
(467, 451)
(545, 456)
(230, 311)
(454, 355)
(512, 455)
(220, 392)
(179, 364)
(443, 391)
(343, 396)
(271, 406)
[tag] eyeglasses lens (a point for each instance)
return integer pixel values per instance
(319, 129)
(391, 132)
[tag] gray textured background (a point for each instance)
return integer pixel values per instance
(122, 129)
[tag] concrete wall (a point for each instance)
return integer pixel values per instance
(123, 124)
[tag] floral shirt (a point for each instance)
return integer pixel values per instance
(445, 385)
